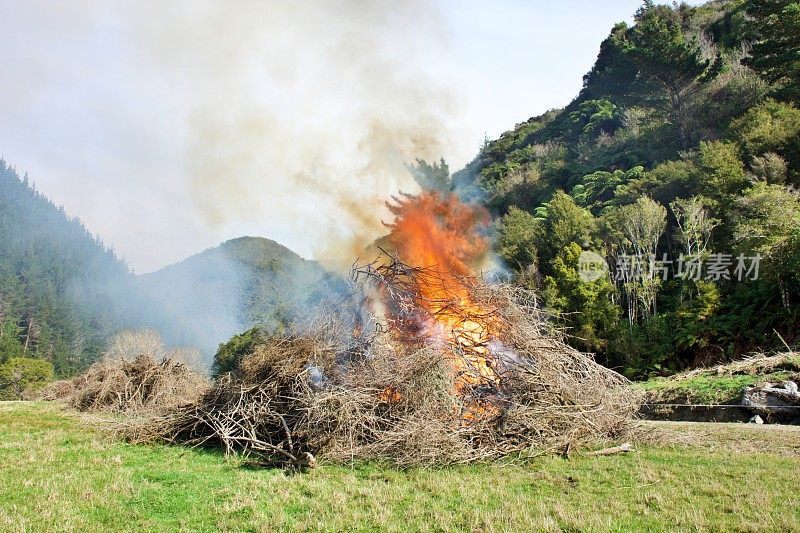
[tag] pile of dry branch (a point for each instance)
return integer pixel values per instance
(137, 374)
(352, 387)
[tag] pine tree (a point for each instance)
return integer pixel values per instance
(775, 38)
(661, 51)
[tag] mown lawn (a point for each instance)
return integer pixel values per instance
(58, 474)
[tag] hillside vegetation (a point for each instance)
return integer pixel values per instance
(244, 282)
(63, 292)
(678, 164)
(59, 285)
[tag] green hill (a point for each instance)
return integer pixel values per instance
(63, 292)
(248, 281)
(685, 139)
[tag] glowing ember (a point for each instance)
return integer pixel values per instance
(390, 395)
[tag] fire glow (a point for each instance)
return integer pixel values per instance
(439, 237)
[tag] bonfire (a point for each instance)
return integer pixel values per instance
(424, 362)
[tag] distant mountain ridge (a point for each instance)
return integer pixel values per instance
(63, 292)
(224, 290)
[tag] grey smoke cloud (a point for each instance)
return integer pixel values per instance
(298, 104)
(193, 121)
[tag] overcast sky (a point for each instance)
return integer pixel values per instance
(170, 129)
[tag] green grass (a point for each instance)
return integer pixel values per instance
(721, 384)
(705, 389)
(58, 474)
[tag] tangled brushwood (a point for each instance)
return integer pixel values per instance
(136, 375)
(387, 382)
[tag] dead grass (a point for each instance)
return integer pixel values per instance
(137, 374)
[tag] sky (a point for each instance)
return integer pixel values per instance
(168, 127)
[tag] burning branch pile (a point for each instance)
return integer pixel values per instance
(423, 363)
(361, 385)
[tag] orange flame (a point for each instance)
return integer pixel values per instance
(441, 233)
(390, 395)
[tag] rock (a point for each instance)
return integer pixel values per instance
(308, 460)
(757, 420)
(776, 402)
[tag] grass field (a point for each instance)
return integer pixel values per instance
(59, 474)
(722, 384)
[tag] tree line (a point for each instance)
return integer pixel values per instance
(678, 165)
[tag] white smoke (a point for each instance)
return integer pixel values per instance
(303, 111)
(193, 121)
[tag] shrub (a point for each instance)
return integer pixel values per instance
(231, 353)
(22, 376)
(770, 127)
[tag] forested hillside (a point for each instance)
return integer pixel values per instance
(63, 292)
(678, 163)
(58, 283)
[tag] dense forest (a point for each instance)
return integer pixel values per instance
(678, 164)
(57, 281)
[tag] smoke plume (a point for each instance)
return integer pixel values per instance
(298, 104)
(171, 126)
